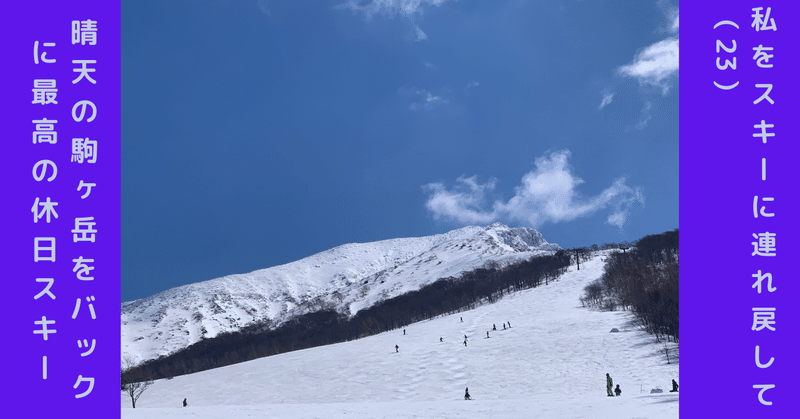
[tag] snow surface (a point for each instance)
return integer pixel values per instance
(550, 364)
(347, 278)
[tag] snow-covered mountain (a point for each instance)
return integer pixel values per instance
(551, 363)
(347, 278)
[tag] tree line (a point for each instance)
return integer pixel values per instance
(327, 326)
(643, 279)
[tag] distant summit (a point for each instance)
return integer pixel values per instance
(520, 238)
(347, 278)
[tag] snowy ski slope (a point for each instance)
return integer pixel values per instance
(550, 364)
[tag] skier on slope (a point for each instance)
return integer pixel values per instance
(184, 403)
(487, 334)
(609, 385)
(396, 348)
(674, 386)
(441, 340)
(618, 390)
(494, 327)
(466, 394)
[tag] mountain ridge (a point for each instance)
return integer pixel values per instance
(346, 278)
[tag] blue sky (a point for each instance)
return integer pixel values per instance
(259, 132)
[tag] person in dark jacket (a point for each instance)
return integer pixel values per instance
(184, 403)
(396, 348)
(618, 390)
(609, 385)
(494, 327)
(466, 394)
(674, 386)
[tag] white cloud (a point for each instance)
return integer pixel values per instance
(607, 98)
(645, 116)
(409, 9)
(389, 8)
(430, 66)
(469, 86)
(655, 64)
(464, 203)
(671, 13)
(547, 194)
(421, 36)
(426, 101)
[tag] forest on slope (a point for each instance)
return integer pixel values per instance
(645, 280)
(324, 327)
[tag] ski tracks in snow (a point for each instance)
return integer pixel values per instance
(551, 363)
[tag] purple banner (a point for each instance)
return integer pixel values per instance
(61, 112)
(61, 115)
(738, 196)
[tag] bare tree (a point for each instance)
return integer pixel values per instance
(593, 294)
(666, 351)
(134, 390)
